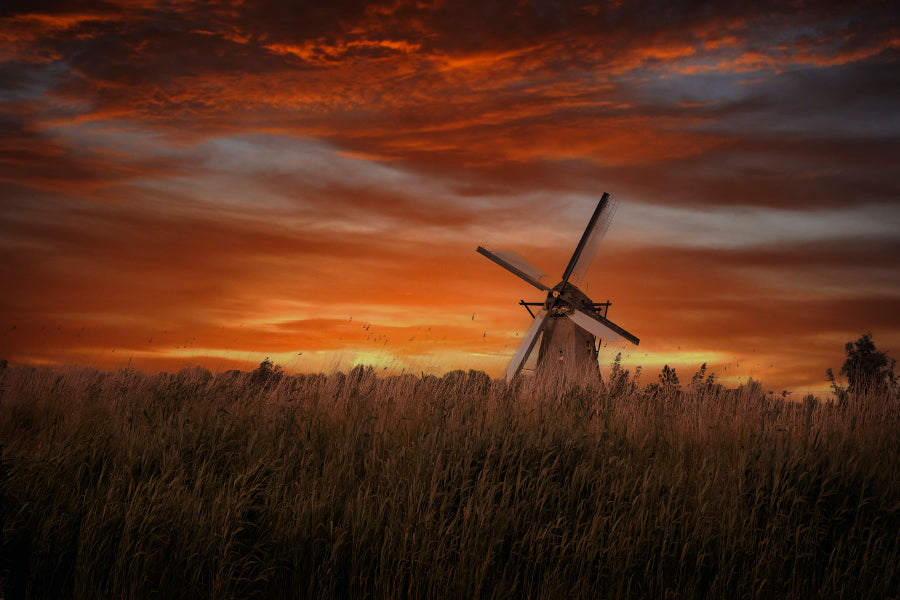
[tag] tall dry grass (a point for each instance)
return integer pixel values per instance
(125, 485)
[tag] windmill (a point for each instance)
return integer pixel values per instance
(570, 322)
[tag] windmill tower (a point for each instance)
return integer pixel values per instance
(570, 322)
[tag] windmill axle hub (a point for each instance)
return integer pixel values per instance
(562, 300)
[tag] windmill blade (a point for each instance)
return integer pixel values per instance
(517, 265)
(601, 327)
(594, 238)
(524, 350)
(519, 262)
(590, 239)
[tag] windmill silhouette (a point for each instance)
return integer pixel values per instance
(570, 322)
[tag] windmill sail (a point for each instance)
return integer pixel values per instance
(521, 355)
(516, 265)
(602, 327)
(519, 262)
(594, 237)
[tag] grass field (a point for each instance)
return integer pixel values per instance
(126, 485)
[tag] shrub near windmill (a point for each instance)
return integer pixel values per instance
(571, 323)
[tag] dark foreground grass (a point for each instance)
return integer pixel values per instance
(124, 485)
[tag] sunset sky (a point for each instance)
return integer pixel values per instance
(193, 183)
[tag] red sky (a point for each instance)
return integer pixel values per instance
(213, 183)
